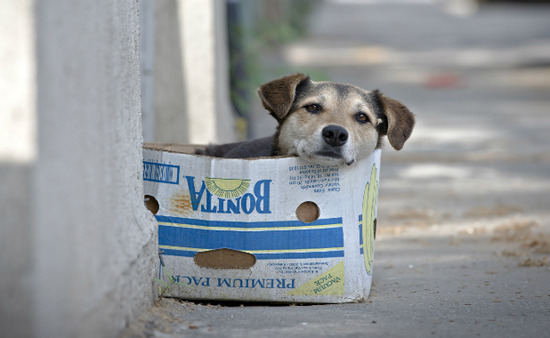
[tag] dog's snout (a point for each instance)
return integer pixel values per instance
(335, 135)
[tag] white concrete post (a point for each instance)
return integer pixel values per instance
(198, 42)
(147, 53)
(192, 103)
(17, 156)
(78, 249)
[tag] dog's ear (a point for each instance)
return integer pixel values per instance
(278, 95)
(400, 121)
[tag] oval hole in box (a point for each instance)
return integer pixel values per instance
(308, 212)
(151, 203)
(225, 259)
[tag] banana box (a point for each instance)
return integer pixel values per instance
(267, 230)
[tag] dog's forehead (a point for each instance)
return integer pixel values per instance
(341, 94)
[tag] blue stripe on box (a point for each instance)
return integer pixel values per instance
(266, 240)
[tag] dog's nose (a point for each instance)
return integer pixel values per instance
(335, 135)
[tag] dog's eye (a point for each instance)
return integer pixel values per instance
(313, 108)
(362, 118)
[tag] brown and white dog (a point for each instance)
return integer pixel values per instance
(323, 122)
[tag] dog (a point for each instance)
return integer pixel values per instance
(323, 122)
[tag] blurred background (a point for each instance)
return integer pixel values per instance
(416, 44)
(413, 44)
(475, 73)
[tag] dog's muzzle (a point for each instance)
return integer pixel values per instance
(334, 138)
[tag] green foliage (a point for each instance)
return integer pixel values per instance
(163, 286)
(255, 48)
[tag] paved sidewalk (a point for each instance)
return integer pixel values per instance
(463, 241)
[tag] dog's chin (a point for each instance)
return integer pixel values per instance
(328, 157)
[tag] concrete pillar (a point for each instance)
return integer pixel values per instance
(192, 103)
(79, 248)
(17, 155)
(147, 53)
(170, 122)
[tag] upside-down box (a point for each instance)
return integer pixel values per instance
(269, 229)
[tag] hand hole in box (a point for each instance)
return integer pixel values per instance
(151, 203)
(308, 212)
(225, 259)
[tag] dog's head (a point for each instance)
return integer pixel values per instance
(332, 123)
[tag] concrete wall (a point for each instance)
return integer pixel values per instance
(17, 155)
(191, 96)
(77, 247)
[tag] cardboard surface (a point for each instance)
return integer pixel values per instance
(272, 229)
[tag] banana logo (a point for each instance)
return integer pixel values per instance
(226, 187)
(370, 199)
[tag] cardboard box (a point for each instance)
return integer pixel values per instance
(270, 229)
